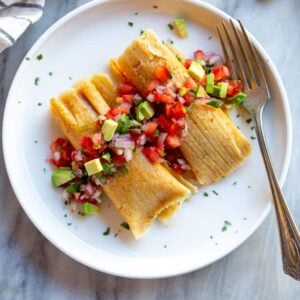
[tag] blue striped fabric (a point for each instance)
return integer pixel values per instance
(15, 17)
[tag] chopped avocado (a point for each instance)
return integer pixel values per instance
(182, 91)
(93, 166)
(108, 129)
(216, 91)
(90, 209)
(196, 70)
(181, 27)
(123, 124)
(147, 110)
(215, 103)
(223, 89)
(200, 92)
(138, 113)
(210, 81)
(61, 176)
(238, 98)
(106, 156)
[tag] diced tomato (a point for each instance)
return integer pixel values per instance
(199, 54)
(220, 72)
(114, 111)
(128, 98)
(151, 86)
(190, 84)
(177, 168)
(163, 123)
(168, 108)
(152, 154)
(162, 74)
(86, 143)
(65, 149)
(149, 128)
(126, 89)
(164, 98)
(187, 63)
(172, 141)
(178, 111)
(119, 160)
(234, 87)
(174, 129)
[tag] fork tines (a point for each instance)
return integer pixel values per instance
(240, 55)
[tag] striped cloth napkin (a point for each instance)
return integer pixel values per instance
(15, 17)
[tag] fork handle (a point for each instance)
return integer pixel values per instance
(288, 232)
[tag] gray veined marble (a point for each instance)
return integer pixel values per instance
(32, 268)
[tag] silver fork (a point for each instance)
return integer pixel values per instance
(241, 57)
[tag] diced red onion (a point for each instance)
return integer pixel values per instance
(96, 180)
(142, 140)
(123, 142)
(137, 96)
(160, 88)
(125, 105)
(101, 117)
(128, 154)
(169, 92)
(214, 59)
(97, 194)
(78, 172)
(161, 138)
(78, 155)
(184, 131)
(150, 97)
(181, 99)
(56, 155)
(181, 122)
(89, 190)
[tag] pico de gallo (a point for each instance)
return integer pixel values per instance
(154, 122)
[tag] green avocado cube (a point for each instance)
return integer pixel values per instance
(196, 70)
(210, 81)
(61, 176)
(93, 166)
(180, 26)
(147, 110)
(223, 89)
(108, 129)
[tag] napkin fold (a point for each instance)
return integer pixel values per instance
(15, 17)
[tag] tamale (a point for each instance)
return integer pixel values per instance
(213, 146)
(147, 189)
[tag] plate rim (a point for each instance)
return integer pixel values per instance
(122, 272)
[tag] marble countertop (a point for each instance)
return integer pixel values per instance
(32, 268)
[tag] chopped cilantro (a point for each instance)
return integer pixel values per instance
(65, 215)
(252, 137)
(211, 237)
(125, 225)
(130, 24)
(70, 78)
(123, 170)
(27, 58)
(249, 121)
(107, 231)
(35, 141)
(252, 127)
(171, 26)
(50, 73)
(165, 246)
(155, 6)
(116, 234)
(40, 104)
(234, 183)
(69, 224)
(238, 115)
(210, 37)
(36, 81)
(227, 223)
(249, 187)
(136, 13)
(224, 228)
(39, 57)
(215, 193)
(44, 170)
(244, 219)
(205, 194)
(142, 31)
(66, 202)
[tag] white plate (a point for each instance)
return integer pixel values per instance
(79, 45)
